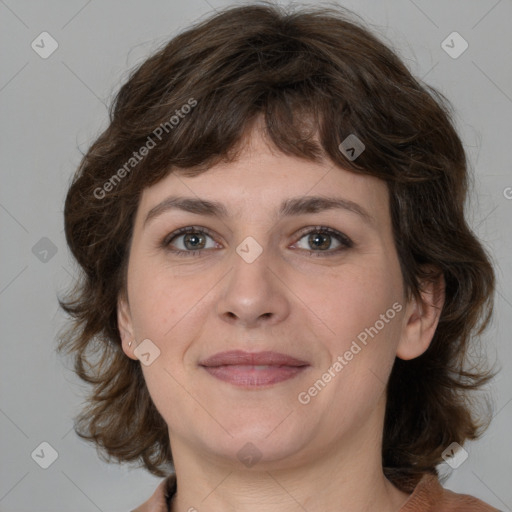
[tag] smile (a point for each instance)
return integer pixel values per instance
(251, 370)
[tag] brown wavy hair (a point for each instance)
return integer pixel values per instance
(315, 76)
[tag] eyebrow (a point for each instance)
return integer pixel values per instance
(289, 207)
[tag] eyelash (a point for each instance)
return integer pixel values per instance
(346, 242)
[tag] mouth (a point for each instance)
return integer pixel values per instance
(253, 369)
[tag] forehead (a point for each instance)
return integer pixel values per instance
(262, 178)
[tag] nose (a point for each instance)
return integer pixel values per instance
(254, 293)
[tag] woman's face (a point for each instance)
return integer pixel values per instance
(252, 278)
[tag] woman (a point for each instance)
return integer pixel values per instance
(279, 284)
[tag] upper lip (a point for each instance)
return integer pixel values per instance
(239, 357)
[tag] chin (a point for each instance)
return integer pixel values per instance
(260, 444)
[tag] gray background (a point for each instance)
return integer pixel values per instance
(52, 109)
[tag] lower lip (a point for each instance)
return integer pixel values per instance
(249, 376)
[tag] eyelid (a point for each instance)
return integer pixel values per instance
(343, 239)
(183, 231)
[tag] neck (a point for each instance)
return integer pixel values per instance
(346, 477)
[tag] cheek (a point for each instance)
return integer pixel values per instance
(364, 321)
(158, 301)
(354, 299)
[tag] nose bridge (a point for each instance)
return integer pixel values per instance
(252, 289)
(251, 268)
(254, 250)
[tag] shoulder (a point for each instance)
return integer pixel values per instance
(427, 496)
(430, 496)
(158, 500)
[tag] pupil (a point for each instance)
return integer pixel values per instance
(317, 237)
(193, 239)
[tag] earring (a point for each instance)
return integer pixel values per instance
(129, 343)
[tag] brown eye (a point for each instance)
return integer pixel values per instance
(321, 239)
(194, 241)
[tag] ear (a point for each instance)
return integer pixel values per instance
(421, 318)
(124, 323)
